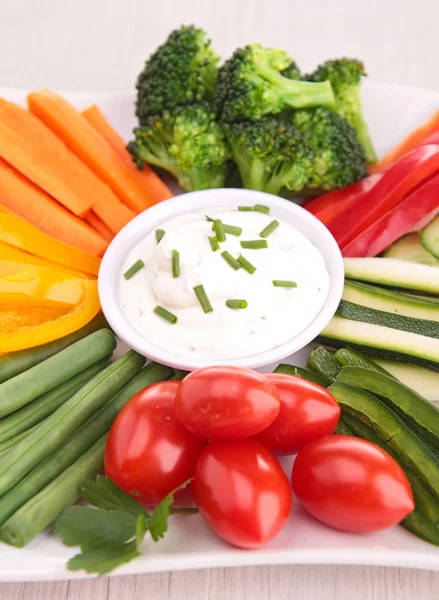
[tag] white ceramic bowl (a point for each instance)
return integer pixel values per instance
(138, 228)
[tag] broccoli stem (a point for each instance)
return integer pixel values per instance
(364, 138)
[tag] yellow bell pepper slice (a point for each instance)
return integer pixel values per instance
(13, 254)
(25, 327)
(39, 287)
(23, 235)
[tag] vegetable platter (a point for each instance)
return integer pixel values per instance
(391, 112)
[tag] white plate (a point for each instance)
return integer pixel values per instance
(391, 111)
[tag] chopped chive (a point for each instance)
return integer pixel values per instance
(219, 230)
(236, 303)
(246, 265)
(254, 244)
(159, 233)
(200, 293)
(165, 314)
(139, 264)
(245, 208)
(209, 219)
(283, 283)
(230, 229)
(214, 244)
(175, 263)
(262, 208)
(229, 259)
(269, 229)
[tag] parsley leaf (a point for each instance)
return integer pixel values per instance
(112, 533)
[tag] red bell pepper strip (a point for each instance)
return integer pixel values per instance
(333, 204)
(415, 210)
(398, 181)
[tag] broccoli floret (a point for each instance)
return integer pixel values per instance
(270, 154)
(181, 71)
(188, 142)
(250, 85)
(292, 72)
(345, 76)
(338, 155)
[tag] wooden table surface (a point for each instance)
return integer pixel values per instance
(94, 45)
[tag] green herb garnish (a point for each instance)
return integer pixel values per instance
(284, 283)
(245, 208)
(230, 229)
(262, 209)
(175, 263)
(139, 264)
(235, 304)
(112, 533)
(230, 260)
(165, 314)
(159, 233)
(219, 230)
(200, 293)
(269, 229)
(214, 244)
(254, 244)
(209, 219)
(246, 265)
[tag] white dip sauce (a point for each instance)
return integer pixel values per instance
(274, 315)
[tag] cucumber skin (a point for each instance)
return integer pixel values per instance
(422, 418)
(14, 363)
(424, 519)
(302, 373)
(28, 386)
(322, 362)
(32, 414)
(54, 430)
(364, 314)
(46, 506)
(79, 442)
(375, 352)
(350, 358)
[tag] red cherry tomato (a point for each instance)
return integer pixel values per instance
(351, 484)
(226, 403)
(149, 452)
(307, 411)
(242, 492)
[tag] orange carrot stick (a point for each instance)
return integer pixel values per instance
(94, 221)
(56, 169)
(413, 140)
(150, 181)
(74, 129)
(23, 198)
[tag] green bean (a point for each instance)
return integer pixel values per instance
(46, 506)
(54, 430)
(14, 363)
(28, 386)
(35, 412)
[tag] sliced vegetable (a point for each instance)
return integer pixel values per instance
(43, 377)
(429, 237)
(382, 342)
(418, 413)
(89, 146)
(416, 209)
(17, 194)
(388, 426)
(350, 358)
(20, 234)
(97, 424)
(48, 504)
(54, 430)
(395, 184)
(393, 273)
(303, 373)
(96, 223)
(410, 248)
(422, 381)
(35, 151)
(14, 363)
(324, 363)
(149, 180)
(23, 419)
(413, 140)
